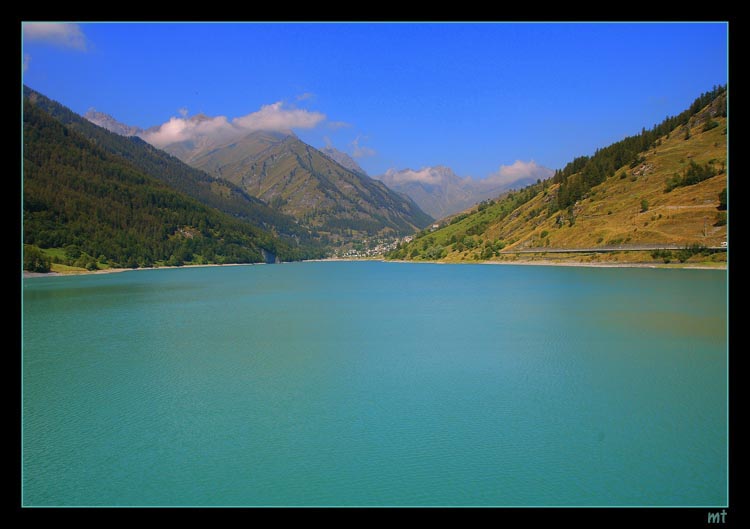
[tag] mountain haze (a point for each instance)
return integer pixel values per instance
(440, 192)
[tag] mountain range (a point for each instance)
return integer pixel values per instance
(155, 163)
(110, 198)
(666, 186)
(90, 207)
(339, 202)
(440, 192)
(437, 190)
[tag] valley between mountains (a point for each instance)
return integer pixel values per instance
(97, 196)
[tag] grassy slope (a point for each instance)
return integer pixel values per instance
(611, 213)
(60, 268)
(682, 210)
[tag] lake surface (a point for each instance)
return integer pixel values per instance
(367, 383)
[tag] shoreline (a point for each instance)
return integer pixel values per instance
(29, 275)
(681, 266)
(674, 266)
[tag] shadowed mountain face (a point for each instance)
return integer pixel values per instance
(440, 192)
(104, 207)
(158, 164)
(301, 181)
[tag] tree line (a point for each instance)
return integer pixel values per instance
(76, 193)
(213, 192)
(576, 179)
(585, 172)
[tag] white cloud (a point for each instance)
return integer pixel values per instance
(275, 117)
(59, 34)
(426, 175)
(306, 95)
(26, 61)
(507, 174)
(180, 129)
(502, 178)
(218, 129)
(335, 125)
(360, 151)
(183, 111)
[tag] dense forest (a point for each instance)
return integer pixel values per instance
(104, 209)
(213, 192)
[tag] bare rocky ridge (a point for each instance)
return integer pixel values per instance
(343, 159)
(111, 124)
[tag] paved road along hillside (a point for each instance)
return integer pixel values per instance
(605, 249)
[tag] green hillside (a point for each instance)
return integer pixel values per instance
(659, 188)
(300, 181)
(213, 192)
(103, 211)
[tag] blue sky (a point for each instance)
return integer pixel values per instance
(473, 97)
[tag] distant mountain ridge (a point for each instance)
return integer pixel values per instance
(343, 159)
(436, 190)
(440, 192)
(111, 124)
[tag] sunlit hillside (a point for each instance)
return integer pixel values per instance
(668, 195)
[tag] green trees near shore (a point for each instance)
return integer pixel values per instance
(34, 260)
(76, 193)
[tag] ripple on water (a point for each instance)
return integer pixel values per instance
(371, 383)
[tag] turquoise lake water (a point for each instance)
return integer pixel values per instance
(367, 383)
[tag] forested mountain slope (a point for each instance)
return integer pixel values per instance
(105, 211)
(158, 164)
